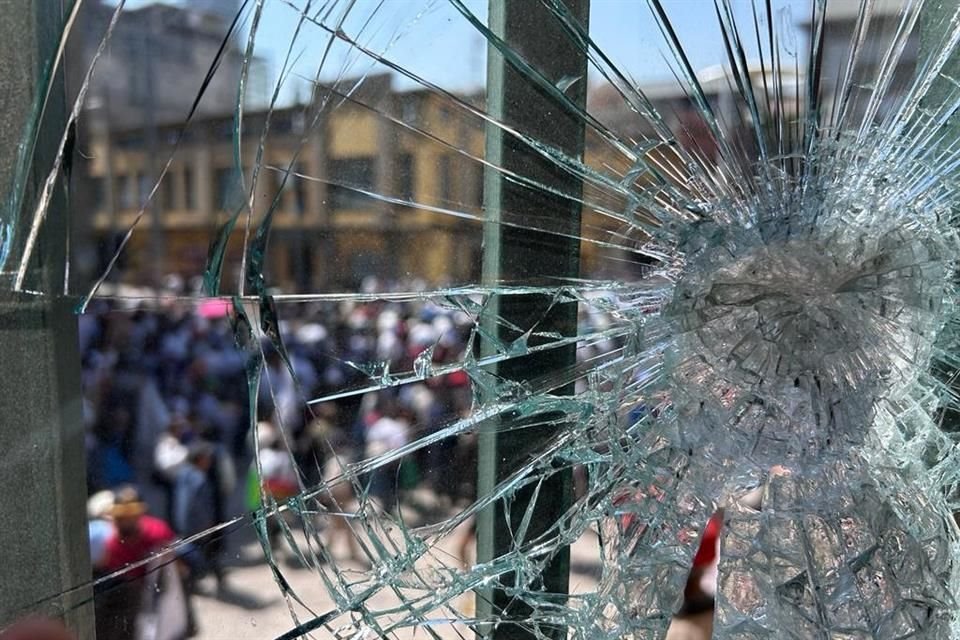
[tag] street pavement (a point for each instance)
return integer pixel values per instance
(251, 605)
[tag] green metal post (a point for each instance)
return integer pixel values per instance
(514, 254)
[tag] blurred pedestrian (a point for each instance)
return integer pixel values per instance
(170, 457)
(387, 434)
(339, 496)
(100, 529)
(137, 537)
(278, 476)
(194, 511)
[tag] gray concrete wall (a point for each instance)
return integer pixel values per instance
(44, 553)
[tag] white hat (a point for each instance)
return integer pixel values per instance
(266, 435)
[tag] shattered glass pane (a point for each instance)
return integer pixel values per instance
(544, 319)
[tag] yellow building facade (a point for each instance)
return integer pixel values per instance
(381, 183)
(385, 184)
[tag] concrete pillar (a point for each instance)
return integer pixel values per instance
(43, 534)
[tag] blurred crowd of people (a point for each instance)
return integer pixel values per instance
(171, 438)
(167, 413)
(166, 391)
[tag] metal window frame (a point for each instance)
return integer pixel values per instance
(517, 255)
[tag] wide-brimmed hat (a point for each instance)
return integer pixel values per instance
(127, 504)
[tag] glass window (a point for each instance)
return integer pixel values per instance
(189, 197)
(98, 196)
(673, 283)
(352, 174)
(224, 183)
(476, 180)
(300, 189)
(445, 178)
(405, 176)
(129, 186)
(167, 195)
(144, 186)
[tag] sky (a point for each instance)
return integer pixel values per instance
(432, 39)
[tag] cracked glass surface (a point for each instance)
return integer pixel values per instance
(700, 270)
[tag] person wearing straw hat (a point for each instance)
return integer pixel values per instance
(137, 536)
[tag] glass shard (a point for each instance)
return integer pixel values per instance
(598, 321)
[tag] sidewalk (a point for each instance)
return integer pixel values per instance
(252, 606)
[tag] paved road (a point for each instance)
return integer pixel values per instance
(251, 607)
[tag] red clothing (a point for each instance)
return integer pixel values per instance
(706, 550)
(154, 535)
(708, 544)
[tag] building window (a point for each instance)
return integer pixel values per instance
(299, 189)
(128, 192)
(477, 172)
(298, 122)
(223, 180)
(271, 181)
(189, 200)
(405, 176)
(144, 185)
(293, 196)
(445, 176)
(282, 123)
(351, 174)
(132, 141)
(97, 193)
(167, 197)
(409, 111)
